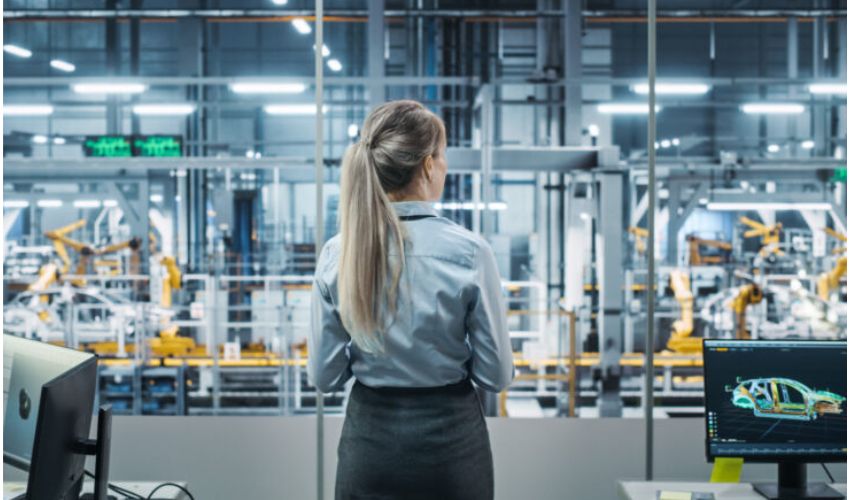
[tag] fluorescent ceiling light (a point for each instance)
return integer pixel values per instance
(675, 141)
(17, 51)
(807, 144)
(15, 203)
(87, 204)
(672, 88)
(267, 88)
(293, 109)
(593, 130)
(177, 109)
(334, 65)
(110, 203)
(49, 203)
(156, 198)
(27, 110)
(280, 2)
(39, 139)
(495, 205)
(301, 26)
(62, 65)
(828, 88)
(742, 206)
(326, 51)
(780, 108)
(353, 129)
(773, 148)
(109, 88)
(59, 140)
(625, 108)
(665, 143)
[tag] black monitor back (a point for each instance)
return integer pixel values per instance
(65, 414)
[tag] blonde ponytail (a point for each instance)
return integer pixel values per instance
(395, 140)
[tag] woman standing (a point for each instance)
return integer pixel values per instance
(410, 305)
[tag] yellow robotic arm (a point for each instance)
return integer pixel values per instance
(747, 295)
(680, 339)
(641, 235)
(770, 235)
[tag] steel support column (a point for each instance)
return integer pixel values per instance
(572, 70)
(609, 269)
(377, 90)
(319, 164)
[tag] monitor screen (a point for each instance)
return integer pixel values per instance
(776, 400)
(27, 366)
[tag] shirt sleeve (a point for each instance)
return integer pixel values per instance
(328, 364)
(487, 326)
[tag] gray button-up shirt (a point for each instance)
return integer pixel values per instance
(450, 322)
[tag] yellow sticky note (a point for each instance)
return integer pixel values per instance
(674, 495)
(727, 470)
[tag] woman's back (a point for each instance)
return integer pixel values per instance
(409, 304)
(449, 321)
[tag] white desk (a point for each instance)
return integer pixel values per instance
(14, 489)
(642, 490)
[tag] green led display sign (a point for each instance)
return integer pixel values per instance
(107, 146)
(157, 146)
(122, 146)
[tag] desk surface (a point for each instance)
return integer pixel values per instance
(13, 490)
(642, 490)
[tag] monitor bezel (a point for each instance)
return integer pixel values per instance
(796, 458)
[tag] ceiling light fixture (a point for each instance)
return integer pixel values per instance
(15, 203)
(49, 203)
(109, 88)
(828, 88)
(176, 109)
(27, 110)
(62, 65)
(17, 51)
(773, 108)
(267, 88)
(625, 108)
(672, 88)
(301, 26)
(334, 65)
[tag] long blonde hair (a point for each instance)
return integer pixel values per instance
(396, 138)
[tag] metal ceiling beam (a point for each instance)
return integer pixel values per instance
(179, 81)
(361, 15)
(505, 159)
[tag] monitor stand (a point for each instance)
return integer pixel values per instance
(100, 448)
(792, 484)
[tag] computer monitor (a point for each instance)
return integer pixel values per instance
(777, 401)
(48, 401)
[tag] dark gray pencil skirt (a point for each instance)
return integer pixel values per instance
(429, 443)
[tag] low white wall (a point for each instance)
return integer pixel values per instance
(274, 457)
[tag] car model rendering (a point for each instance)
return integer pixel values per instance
(785, 398)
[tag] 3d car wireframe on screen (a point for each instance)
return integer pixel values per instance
(785, 398)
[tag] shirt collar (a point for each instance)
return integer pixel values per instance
(413, 208)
